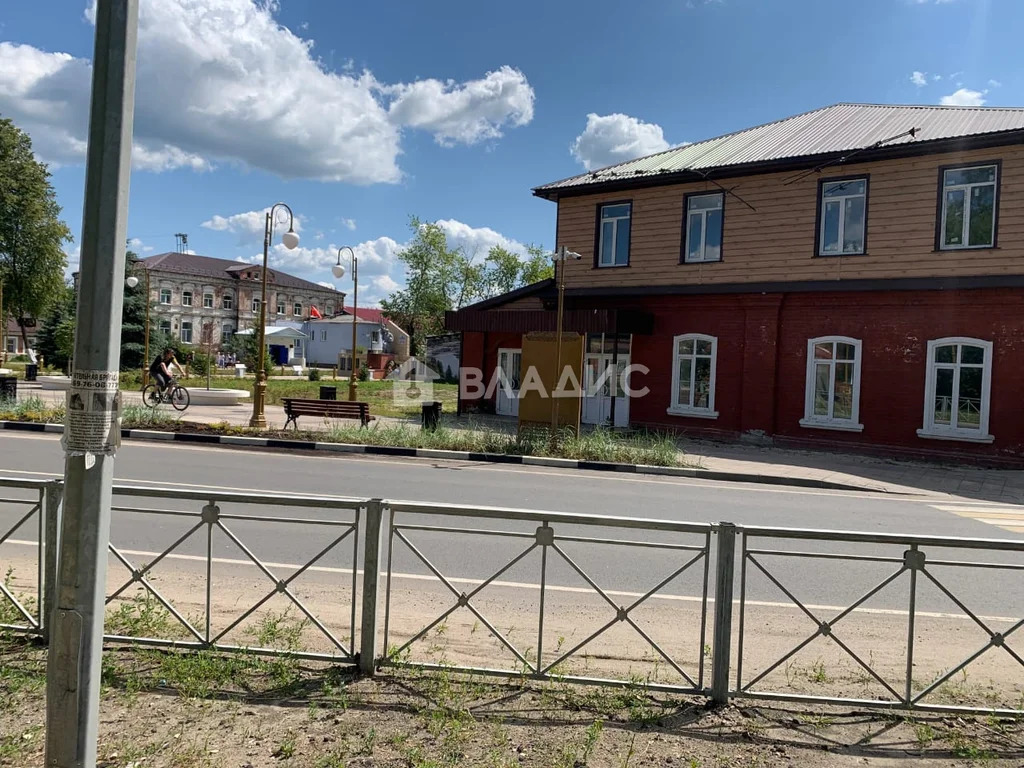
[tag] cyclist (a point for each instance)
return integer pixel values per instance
(160, 369)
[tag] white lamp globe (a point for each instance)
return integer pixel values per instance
(290, 239)
(132, 281)
(338, 270)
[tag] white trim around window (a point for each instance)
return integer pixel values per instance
(694, 367)
(957, 390)
(703, 237)
(832, 386)
(165, 295)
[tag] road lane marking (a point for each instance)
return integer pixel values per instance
(536, 587)
(1009, 518)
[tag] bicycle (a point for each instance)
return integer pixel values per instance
(174, 393)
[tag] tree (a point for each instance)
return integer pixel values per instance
(57, 332)
(537, 267)
(505, 271)
(32, 259)
(438, 278)
(133, 320)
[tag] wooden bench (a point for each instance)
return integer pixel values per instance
(329, 409)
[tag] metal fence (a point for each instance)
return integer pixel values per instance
(546, 547)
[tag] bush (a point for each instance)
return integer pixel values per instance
(363, 374)
(200, 363)
(314, 374)
(131, 379)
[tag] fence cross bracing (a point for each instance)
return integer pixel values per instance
(380, 530)
(551, 542)
(912, 567)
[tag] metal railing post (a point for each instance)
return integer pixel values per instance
(722, 648)
(371, 581)
(53, 495)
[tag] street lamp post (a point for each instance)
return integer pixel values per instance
(290, 239)
(131, 281)
(339, 272)
(562, 255)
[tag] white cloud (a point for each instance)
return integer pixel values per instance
(251, 225)
(463, 113)
(135, 244)
(476, 241)
(918, 78)
(964, 97)
(994, 84)
(616, 138)
(222, 81)
(936, 78)
(349, 224)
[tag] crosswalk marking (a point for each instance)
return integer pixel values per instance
(1008, 518)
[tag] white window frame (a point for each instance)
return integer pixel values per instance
(967, 189)
(168, 293)
(615, 220)
(702, 213)
(297, 309)
(181, 332)
(934, 431)
(841, 199)
(227, 301)
(815, 421)
(186, 298)
(226, 332)
(684, 409)
(207, 300)
(281, 309)
(165, 327)
(256, 305)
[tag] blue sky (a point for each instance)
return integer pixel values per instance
(361, 114)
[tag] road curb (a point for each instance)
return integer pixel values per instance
(431, 453)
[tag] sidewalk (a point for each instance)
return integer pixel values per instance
(870, 473)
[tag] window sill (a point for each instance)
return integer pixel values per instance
(958, 249)
(693, 413)
(611, 266)
(687, 263)
(839, 426)
(839, 255)
(957, 436)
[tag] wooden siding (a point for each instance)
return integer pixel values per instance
(776, 242)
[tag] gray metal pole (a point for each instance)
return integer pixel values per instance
(73, 666)
(371, 586)
(722, 647)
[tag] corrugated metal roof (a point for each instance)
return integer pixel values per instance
(838, 128)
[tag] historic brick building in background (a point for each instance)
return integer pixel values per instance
(828, 280)
(188, 291)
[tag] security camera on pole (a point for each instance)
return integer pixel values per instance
(562, 255)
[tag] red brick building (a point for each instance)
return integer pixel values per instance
(851, 277)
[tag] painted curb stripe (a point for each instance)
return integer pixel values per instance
(433, 453)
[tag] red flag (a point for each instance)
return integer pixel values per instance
(315, 313)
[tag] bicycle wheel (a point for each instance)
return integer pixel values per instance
(179, 398)
(150, 396)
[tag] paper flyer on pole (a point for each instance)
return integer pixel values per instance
(92, 424)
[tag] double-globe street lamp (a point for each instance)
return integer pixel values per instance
(339, 272)
(290, 240)
(131, 281)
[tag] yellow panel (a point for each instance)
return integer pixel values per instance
(539, 366)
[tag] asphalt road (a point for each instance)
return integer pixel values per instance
(826, 582)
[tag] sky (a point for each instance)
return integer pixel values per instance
(359, 115)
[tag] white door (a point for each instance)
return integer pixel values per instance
(600, 378)
(507, 403)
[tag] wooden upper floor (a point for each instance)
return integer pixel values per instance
(956, 213)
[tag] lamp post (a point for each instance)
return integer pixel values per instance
(131, 281)
(290, 240)
(562, 255)
(339, 272)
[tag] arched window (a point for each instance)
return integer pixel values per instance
(832, 396)
(958, 383)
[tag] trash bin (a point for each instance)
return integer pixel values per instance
(31, 371)
(328, 393)
(239, 371)
(8, 388)
(431, 412)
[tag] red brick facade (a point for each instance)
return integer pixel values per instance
(762, 363)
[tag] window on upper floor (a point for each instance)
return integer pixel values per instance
(165, 326)
(165, 295)
(207, 301)
(957, 386)
(703, 239)
(613, 235)
(186, 298)
(186, 332)
(969, 199)
(227, 301)
(694, 360)
(297, 309)
(842, 216)
(255, 305)
(832, 393)
(280, 307)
